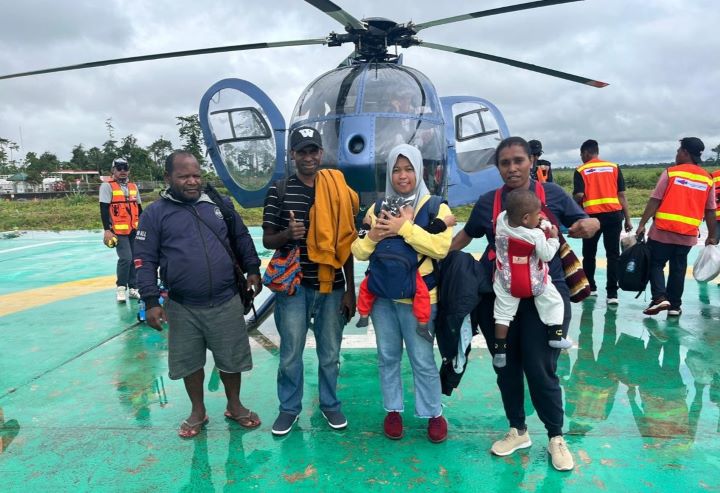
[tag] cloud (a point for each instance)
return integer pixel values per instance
(658, 57)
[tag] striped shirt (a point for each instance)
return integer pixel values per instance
(276, 216)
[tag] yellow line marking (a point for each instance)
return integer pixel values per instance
(15, 302)
(24, 300)
(30, 298)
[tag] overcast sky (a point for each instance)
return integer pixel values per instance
(660, 58)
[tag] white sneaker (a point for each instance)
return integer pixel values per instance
(613, 301)
(562, 459)
(134, 294)
(120, 295)
(511, 442)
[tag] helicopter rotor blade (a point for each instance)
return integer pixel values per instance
(174, 54)
(337, 13)
(516, 63)
(487, 13)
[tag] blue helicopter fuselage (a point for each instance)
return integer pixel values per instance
(362, 111)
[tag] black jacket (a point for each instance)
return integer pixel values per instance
(462, 279)
(194, 265)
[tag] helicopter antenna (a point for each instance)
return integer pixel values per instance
(516, 63)
(487, 13)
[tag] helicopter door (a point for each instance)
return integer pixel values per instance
(245, 136)
(473, 129)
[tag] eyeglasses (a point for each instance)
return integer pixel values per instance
(122, 167)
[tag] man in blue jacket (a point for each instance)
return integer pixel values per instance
(185, 235)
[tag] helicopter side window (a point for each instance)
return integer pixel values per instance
(476, 133)
(246, 144)
(239, 124)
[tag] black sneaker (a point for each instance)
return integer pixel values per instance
(284, 423)
(656, 306)
(336, 419)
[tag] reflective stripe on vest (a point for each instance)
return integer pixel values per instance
(124, 211)
(683, 207)
(601, 194)
(716, 182)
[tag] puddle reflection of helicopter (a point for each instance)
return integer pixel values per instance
(362, 108)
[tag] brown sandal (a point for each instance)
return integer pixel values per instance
(190, 430)
(248, 421)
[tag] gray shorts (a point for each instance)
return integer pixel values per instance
(193, 331)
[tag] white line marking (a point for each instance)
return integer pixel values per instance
(45, 244)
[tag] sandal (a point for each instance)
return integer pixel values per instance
(247, 421)
(190, 430)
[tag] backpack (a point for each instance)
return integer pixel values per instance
(634, 268)
(394, 264)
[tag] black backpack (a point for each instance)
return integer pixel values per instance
(634, 268)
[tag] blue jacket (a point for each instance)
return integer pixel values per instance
(194, 265)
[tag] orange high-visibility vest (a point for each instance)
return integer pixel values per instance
(542, 174)
(601, 191)
(683, 207)
(716, 182)
(124, 210)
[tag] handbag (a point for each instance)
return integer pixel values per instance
(283, 273)
(573, 272)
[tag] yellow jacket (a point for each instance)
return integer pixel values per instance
(435, 246)
(332, 225)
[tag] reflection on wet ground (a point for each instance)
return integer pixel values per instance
(89, 386)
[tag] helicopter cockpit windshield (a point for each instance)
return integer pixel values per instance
(363, 111)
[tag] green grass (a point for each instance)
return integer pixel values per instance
(82, 212)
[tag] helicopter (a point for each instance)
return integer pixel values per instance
(369, 103)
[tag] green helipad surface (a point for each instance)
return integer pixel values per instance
(86, 404)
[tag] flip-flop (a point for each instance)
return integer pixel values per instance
(249, 421)
(190, 430)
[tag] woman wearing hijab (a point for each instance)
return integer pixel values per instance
(391, 236)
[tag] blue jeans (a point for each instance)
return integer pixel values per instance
(676, 256)
(394, 323)
(293, 315)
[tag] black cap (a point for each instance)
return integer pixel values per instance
(535, 147)
(694, 147)
(303, 137)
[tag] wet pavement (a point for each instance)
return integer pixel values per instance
(86, 403)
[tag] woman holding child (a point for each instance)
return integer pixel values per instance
(528, 356)
(401, 243)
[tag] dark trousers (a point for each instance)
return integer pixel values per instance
(125, 267)
(676, 256)
(610, 232)
(528, 357)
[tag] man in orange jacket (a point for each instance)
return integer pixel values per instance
(599, 188)
(683, 195)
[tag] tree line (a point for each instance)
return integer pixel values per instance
(147, 162)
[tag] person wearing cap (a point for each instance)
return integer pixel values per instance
(302, 214)
(683, 196)
(540, 170)
(599, 188)
(120, 209)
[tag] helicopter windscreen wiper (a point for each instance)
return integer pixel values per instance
(487, 13)
(337, 13)
(516, 63)
(173, 54)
